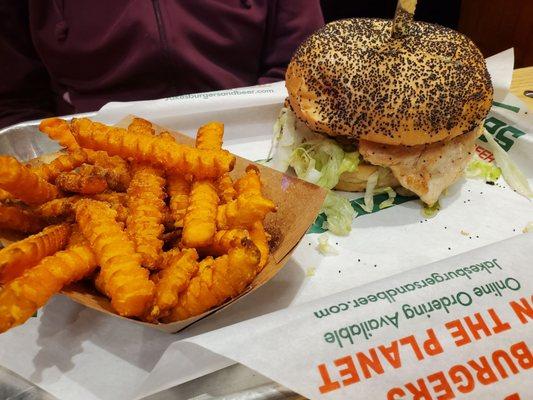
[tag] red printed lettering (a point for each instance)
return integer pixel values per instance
(328, 384)
(349, 371)
(458, 332)
(523, 310)
(463, 379)
(522, 354)
(432, 345)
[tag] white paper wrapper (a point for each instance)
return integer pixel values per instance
(76, 353)
(458, 327)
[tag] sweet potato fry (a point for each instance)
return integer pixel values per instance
(209, 136)
(225, 189)
(199, 222)
(167, 136)
(123, 278)
(76, 237)
(171, 281)
(59, 130)
(23, 184)
(64, 163)
(24, 254)
(250, 183)
(153, 149)
(117, 201)
(116, 170)
(64, 206)
(225, 278)
(243, 211)
(5, 195)
(260, 238)
(113, 198)
(20, 298)
(85, 181)
(225, 240)
(57, 208)
(19, 219)
(141, 126)
(167, 257)
(178, 188)
(144, 223)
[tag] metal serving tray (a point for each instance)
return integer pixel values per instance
(236, 382)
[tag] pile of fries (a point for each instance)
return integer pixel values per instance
(159, 227)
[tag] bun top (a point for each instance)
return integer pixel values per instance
(351, 79)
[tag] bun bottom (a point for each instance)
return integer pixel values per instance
(356, 181)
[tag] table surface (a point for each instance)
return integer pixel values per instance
(14, 387)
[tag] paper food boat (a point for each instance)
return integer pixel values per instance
(287, 226)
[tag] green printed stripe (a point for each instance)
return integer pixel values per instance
(506, 106)
(317, 226)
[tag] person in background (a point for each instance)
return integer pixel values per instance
(61, 57)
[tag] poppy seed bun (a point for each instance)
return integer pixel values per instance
(351, 79)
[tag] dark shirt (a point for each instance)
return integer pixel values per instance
(68, 56)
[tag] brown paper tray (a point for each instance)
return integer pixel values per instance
(298, 204)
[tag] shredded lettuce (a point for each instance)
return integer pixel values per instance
(324, 247)
(480, 169)
(322, 161)
(390, 201)
(431, 211)
(317, 160)
(339, 213)
(371, 184)
(510, 171)
(314, 158)
(289, 133)
(371, 190)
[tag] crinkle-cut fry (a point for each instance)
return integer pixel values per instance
(57, 208)
(260, 238)
(59, 130)
(167, 136)
(225, 188)
(249, 183)
(209, 136)
(243, 211)
(144, 223)
(82, 182)
(116, 170)
(141, 126)
(22, 297)
(64, 163)
(152, 149)
(5, 195)
(76, 237)
(166, 257)
(64, 206)
(123, 278)
(172, 281)
(23, 184)
(24, 254)
(199, 222)
(117, 201)
(178, 188)
(19, 219)
(113, 198)
(226, 277)
(225, 240)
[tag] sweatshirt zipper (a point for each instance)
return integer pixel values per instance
(164, 44)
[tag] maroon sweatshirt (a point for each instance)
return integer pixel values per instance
(67, 56)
